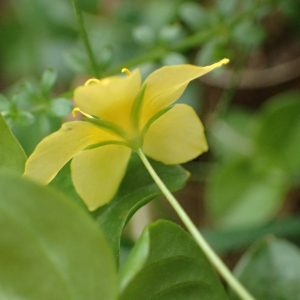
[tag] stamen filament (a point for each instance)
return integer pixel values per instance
(91, 80)
(126, 71)
(76, 109)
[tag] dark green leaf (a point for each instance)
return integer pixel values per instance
(271, 270)
(63, 183)
(48, 81)
(167, 264)
(246, 192)
(49, 247)
(137, 189)
(279, 133)
(12, 155)
(60, 107)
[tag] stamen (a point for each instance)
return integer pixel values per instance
(91, 80)
(76, 109)
(126, 71)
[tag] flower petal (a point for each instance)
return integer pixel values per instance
(176, 137)
(97, 173)
(54, 151)
(110, 99)
(167, 84)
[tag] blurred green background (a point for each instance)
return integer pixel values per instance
(247, 185)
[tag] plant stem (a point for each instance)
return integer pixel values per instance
(211, 255)
(85, 39)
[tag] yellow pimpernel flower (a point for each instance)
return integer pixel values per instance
(122, 115)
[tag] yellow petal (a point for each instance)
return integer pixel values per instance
(176, 137)
(167, 84)
(110, 99)
(97, 173)
(54, 151)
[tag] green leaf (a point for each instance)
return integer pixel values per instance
(167, 264)
(279, 133)
(23, 118)
(144, 35)
(171, 33)
(49, 247)
(60, 107)
(194, 15)
(48, 81)
(249, 34)
(137, 189)
(233, 134)
(271, 270)
(234, 239)
(4, 103)
(174, 58)
(246, 192)
(63, 183)
(12, 155)
(226, 7)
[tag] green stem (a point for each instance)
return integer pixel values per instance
(211, 255)
(85, 39)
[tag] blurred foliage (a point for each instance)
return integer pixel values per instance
(259, 155)
(254, 157)
(270, 270)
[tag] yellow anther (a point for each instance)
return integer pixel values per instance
(91, 80)
(126, 71)
(76, 109)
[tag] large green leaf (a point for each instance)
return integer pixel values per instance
(137, 189)
(12, 155)
(167, 264)
(270, 270)
(245, 192)
(49, 247)
(279, 133)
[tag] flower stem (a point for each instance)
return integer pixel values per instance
(85, 39)
(211, 255)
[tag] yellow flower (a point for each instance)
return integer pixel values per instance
(122, 115)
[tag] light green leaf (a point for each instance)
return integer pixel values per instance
(137, 189)
(279, 133)
(194, 15)
(48, 81)
(24, 118)
(271, 270)
(226, 7)
(60, 107)
(144, 35)
(12, 155)
(245, 192)
(174, 58)
(167, 264)
(49, 247)
(249, 34)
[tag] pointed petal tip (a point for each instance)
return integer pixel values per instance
(224, 61)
